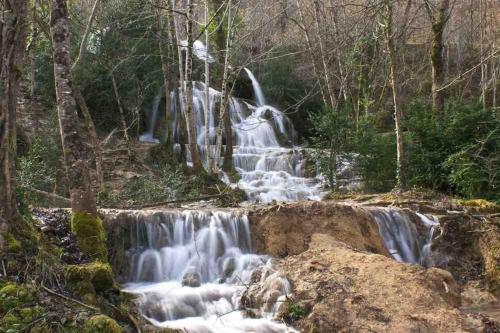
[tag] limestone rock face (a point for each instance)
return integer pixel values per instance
(347, 290)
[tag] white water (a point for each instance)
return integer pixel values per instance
(401, 237)
(190, 269)
(270, 167)
(259, 95)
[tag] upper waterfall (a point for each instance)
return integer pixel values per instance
(264, 155)
(259, 94)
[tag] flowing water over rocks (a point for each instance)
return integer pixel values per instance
(191, 269)
(269, 165)
(401, 236)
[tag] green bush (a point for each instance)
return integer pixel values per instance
(170, 184)
(459, 154)
(333, 136)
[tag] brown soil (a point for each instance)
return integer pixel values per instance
(346, 290)
(287, 230)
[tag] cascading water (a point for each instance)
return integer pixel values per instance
(152, 118)
(401, 237)
(259, 95)
(190, 270)
(268, 169)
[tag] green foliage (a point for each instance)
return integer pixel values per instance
(170, 184)
(459, 154)
(376, 155)
(38, 168)
(293, 311)
(333, 137)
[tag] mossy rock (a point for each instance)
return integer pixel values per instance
(10, 243)
(480, 205)
(96, 274)
(14, 296)
(101, 324)
(90, 235)
(16, 320)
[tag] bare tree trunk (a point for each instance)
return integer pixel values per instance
(174, 30)
(207, 94)
(389, 40)
(12, 51)
(438, 21)
(90, 128)
(190, 116)
(83, 44)
(310, 50)
(120, 108)
(326, 71)
(484, 64)
(224, 103)
(167, 82)
(77, 167)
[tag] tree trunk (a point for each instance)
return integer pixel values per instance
(77, 167)
(190, 116)
(437, 56)
(329, 88)
(224, 118)
(207, 94)
(389, 40)
(120, 108)
(223, 45)
(167, 82)
(12, 51)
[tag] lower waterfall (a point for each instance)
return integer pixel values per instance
(190, 270)
(401, 237)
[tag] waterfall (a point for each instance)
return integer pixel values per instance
(269, 168)
(148, 136)
(190, 269)
(259, 95)
(401, 237)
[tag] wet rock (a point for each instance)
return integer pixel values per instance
(191, 280)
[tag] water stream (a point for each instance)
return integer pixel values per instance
(269, 165)
(401, 237)
(190, 270)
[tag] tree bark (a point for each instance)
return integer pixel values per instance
(207, 94)
(438, 21)
(223, 107)
(120, 109)
(167, 82)
(77, 166)
(223, 44)
(12, 52)
(389, 40)
(189, 106)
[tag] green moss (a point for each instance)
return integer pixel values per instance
(101, 324)
(90, 235)
(481, 205)
(14, 296)
(89, 279)
(12, 245)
